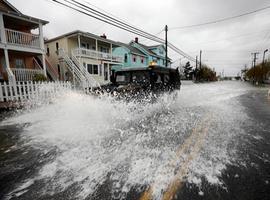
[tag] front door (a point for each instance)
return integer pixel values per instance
(106, 71)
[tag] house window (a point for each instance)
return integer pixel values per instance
(126, 58)
(48, 51)
(90, 68)
(19, 63)
(104, 49)
(95, 69)
(142, 60)
(134, 58)
(83, 45)
(57, 46)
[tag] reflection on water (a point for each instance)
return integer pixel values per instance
(81, 146)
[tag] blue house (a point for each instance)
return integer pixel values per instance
(136, 54)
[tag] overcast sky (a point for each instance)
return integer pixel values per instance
(226, 46)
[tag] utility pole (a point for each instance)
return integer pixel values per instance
(200, 64)
(262, 77)
(254, 64)
(264, 55)
(196, 70)
(196, 62)
(200, 59)
(166, 46)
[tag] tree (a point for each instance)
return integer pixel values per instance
(188, 71)
(259, 72)
(206, 74)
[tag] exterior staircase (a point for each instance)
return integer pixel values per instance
(80, 75)
(51, 71)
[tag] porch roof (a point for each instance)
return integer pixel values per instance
(11, 11)
(11, 14)
(84, 34)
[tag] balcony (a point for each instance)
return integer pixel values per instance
(22, 74)
(22, 39)
(97, 55)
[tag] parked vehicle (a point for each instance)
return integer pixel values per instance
(142, 82)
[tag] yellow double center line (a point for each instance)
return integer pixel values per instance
(191, 147)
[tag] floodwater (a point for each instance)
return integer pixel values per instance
(212, 142)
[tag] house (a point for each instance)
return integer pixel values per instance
(132, 56)
(82, 56)
(139, 55)
(22, 52)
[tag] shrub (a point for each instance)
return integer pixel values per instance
(39, 77)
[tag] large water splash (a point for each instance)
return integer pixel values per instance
(100, 141)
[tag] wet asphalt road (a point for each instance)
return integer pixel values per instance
(241, 163)
(252, 180)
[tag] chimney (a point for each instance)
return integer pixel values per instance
(136, 39)
(104, 36)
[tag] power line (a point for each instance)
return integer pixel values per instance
(221, 20)
(157, 34)
(106, 20)
(105, 11)
(79, 7)
(104, 17)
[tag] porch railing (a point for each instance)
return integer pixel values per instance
(22, 39)
(25, 74)
(97, 55)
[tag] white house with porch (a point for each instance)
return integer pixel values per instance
(83, 56)
(22, 53)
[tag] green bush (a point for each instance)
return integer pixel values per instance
(206, 74)
(39, 77)
(259, 72)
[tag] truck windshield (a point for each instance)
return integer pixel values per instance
(137, 77)
(123, 77)
(140, 77)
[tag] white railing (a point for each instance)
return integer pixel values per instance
(97, 55)
(21, 91)
(78, 71)
(77, 74)
(49, 68)
(52, 71)
(25, 74)
(22, 39)
(90, 81)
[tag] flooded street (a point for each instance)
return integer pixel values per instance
(212, 142)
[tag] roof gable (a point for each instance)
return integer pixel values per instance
(132, 49)
(149, 50)
(141, 47)
(8, 7)
(157, 47)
